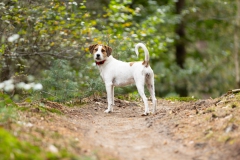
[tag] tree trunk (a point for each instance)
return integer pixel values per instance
(180, 53)
(5, 72)
(180, 32)
(236, 45)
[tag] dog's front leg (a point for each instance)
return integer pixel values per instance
(113, 96)
(109, 89)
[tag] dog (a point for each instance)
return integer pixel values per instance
(117, 73)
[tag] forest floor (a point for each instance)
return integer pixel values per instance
(180, 130)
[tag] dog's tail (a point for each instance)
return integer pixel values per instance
(146, 60)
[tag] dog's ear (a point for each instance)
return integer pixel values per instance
(91, 48)
(109, 50)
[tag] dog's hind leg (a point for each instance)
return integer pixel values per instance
(140, 87)
(151, 89)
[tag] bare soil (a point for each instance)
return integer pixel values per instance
(196, 130)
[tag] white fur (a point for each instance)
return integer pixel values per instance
(119, 73)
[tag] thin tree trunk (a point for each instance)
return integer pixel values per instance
(236, 45)
(180, 53)
(180, 31)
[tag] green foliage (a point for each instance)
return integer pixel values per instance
(12, 148)
(62, 84)
(51, 30)
(6, 101)
(7, 109)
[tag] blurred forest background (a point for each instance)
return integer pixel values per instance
(193, 45)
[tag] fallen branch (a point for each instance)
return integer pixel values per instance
(235, 91)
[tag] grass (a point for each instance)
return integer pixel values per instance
(51, 110)
(182, 99)
(41, 108)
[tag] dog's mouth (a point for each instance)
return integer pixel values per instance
(98, 59)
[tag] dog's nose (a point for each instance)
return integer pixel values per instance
(98, 55)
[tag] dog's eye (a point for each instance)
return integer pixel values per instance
(103, 50)
(95, 49)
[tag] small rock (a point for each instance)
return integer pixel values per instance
(230, 128)
(149, 125)
(52, 148)
(199, 103)
(200, 145)
(35, 110)
(98, 103)
(214, 115)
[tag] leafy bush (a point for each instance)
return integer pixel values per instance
(61, 83)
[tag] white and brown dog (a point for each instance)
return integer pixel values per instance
(118, 73)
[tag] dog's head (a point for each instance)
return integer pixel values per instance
(100, 52)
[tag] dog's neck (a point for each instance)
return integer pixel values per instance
(100, 63)
(105, 61)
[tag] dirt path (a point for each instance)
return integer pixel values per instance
(127, 135)
(179, 131)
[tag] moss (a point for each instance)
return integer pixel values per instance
(182, 99)
(225, 139)
(209, 134)
(12, 148)
(46, 110)
(237, 96)
(53, 110)
(130, 97)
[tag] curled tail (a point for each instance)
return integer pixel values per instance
(146, 60)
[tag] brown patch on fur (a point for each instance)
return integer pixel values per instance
(145, 63)
(104, 51)
(131, 63)
(108, 50)
(92, 48)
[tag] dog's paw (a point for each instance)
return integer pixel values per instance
(145, 114)
(107, 111)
